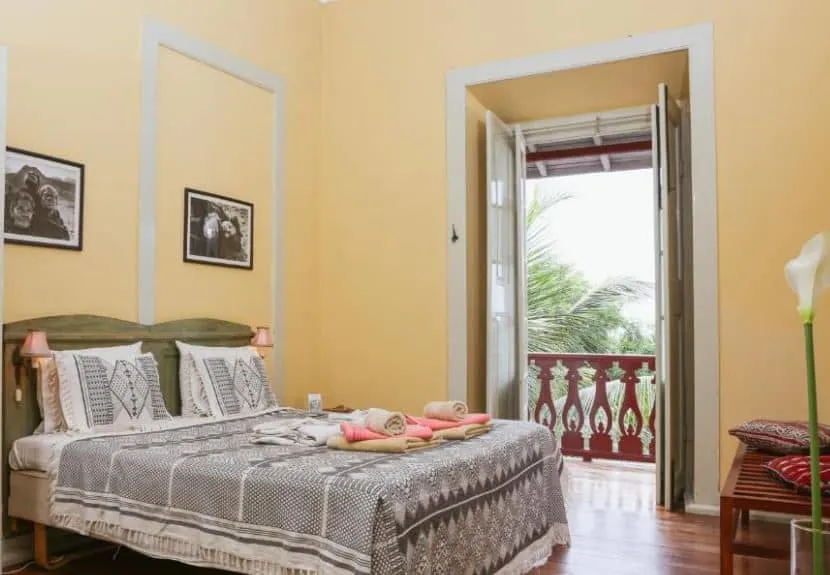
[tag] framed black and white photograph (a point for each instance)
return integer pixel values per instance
(44, 200)
(218, 230)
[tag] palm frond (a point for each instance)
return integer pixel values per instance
(566, 313)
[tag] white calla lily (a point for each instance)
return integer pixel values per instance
(809, 273)
(808, 276)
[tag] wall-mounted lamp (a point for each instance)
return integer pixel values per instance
(34, 347)
(262, 339)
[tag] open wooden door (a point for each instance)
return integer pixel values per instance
(669, 301)
(503, 369)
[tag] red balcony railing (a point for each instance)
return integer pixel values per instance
(598, 406)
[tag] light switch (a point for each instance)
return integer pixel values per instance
(18, 395)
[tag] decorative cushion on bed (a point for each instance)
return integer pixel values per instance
(193, 394)
(48, 388)
(97, 390)
(201, 392)
(780, 437)
(48, 398)
(794, 471)
(236, 385)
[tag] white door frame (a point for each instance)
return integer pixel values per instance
(698, 41)
(4, 67)
(156, 34)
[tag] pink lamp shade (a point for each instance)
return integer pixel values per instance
(35, 344)
(262, 337)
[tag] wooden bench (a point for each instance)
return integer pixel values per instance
(749, 487)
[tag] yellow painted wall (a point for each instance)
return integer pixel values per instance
(476, 253)
(382, 204)
(74, 82)
(597, 88)
(232, 158)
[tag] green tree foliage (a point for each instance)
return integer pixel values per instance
(632, 340)
(565, 313)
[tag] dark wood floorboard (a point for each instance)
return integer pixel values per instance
(615, 530)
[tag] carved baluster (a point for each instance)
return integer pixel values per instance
(534, 372)
(652, 448)
(573, 415)
(600, 442)
(630, 442)
(545, 399)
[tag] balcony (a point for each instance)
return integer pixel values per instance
(597, 406)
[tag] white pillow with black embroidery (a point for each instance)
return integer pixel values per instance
(48, 384)
(97, 390)
(236, 385)
(194, 397)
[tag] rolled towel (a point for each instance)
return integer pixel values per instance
(390, 423)
(446, 410)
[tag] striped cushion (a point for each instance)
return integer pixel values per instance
(794, 470)
(780, 437)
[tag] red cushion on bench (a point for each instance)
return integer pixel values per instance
(780, 437)
(794, 470)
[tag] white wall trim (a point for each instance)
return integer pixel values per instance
(702, 509)
(4, 67)
(155, 35)
(698, 40)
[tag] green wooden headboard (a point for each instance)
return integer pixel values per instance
(20, 418)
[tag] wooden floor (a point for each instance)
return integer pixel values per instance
(615, 530)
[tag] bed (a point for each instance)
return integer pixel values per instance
(198, 491)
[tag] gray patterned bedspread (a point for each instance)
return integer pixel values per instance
(205, 495)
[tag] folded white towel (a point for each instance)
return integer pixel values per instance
(447, 410)
(306, 431)
(386, 422)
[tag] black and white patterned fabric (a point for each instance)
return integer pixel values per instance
(118, 392)
(204, 494)
(237, 385)
(72, 397)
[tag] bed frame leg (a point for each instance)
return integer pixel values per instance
(41, 546)
(42, 558)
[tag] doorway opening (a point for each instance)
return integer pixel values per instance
(583, 332)
(591, 312)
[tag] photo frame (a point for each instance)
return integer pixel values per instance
(44, 198)
(218, 230)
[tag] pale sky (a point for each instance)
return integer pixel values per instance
(606, 229)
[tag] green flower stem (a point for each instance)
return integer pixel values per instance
(815, 479)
